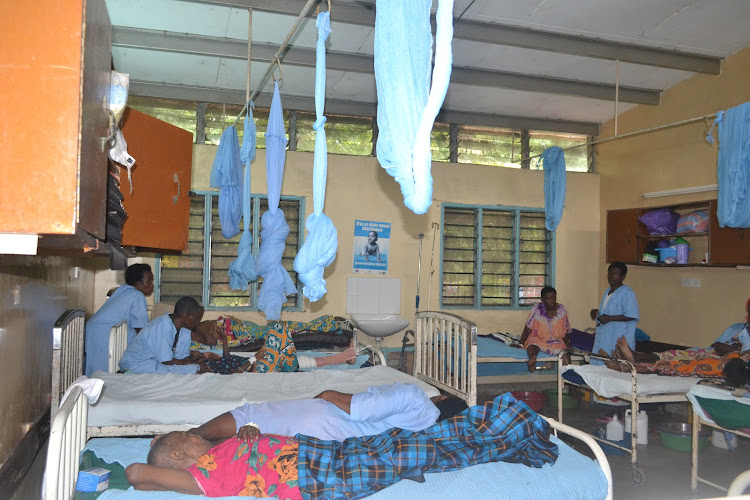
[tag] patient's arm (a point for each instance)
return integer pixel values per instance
(151, 477)
(343, 401)
(525, 334)
(723, 349)
(220, 428)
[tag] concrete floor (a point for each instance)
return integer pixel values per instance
(666, 472)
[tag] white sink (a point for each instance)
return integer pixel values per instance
(379, 325)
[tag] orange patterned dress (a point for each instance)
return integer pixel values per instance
(267, 468)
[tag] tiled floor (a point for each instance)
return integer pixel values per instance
(666, 472)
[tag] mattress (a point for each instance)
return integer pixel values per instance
(609, 383)
(574, 476)
(129, 399)
(718, 406)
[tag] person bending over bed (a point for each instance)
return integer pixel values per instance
(547, 329)
(127, 302)
(618, 313)
(684, 363)
(274, 465)
(164, 345)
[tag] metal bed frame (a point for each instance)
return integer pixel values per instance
(67, 439)
(67, 353)
(118, 342)
(738, 485)
(638, 475)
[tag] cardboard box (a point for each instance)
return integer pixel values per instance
(93, 480)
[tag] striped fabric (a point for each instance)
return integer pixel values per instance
(502, 430)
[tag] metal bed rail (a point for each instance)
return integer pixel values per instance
(67, 353)
(445, 353)
(67, 439)
(698, 421)
(118, 342)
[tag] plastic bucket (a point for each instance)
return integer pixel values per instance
(535, 400)
(567, 401)
(682, 253)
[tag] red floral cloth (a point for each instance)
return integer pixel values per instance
(268, 468)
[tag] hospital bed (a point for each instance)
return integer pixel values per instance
(636, 388)
(449, 354)
(573, 474)
(721, 399)
(67, 353)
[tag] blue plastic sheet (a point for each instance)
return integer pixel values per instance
(226, 174)
(242, 270)
(733, 171)
(319, 249)
(553, 160)
(406, 110)
(276, 281)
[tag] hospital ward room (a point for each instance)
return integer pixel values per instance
(381, 249)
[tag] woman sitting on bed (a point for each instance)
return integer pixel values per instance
(685, 363)
(547, 329)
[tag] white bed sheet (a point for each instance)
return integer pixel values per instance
(609, 384)
(171, 399)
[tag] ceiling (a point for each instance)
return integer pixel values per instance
(536, 64)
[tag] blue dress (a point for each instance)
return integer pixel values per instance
(621, 302)
(153, 346)
(127, 304)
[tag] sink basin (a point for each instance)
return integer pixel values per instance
(379, 325)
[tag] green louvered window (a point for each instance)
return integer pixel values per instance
(494, 257)
(202, 271)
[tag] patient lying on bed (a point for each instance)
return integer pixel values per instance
(273, 465)
(684, 363)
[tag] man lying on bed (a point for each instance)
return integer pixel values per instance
(286, 467)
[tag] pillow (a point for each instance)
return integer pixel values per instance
(660, 221)
(361, 359)
(694, 222)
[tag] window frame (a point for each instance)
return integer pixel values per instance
(515, 298)
(208, 196)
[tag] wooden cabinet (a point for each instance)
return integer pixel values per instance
(53, 118)
(627, 238)
(159, 207)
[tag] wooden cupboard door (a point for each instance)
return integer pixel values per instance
(727, 245)
(42, 108)
(159, 207)
(622, 232)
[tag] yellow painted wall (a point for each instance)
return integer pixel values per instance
(676, 158)
(358, 188)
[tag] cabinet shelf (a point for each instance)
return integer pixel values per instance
(627, 238)
(670, 236)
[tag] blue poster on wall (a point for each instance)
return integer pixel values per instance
(371, 242)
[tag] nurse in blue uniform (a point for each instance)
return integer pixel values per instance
(617, 315)
(127, 303)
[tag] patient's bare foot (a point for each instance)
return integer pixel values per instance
(624, 350)
(532, 364)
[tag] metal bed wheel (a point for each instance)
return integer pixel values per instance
(638, 475)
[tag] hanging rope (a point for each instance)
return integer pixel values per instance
(276, 281)
(319, 249)
(406, 112)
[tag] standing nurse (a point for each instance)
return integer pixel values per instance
(617, 314)
(127, 303)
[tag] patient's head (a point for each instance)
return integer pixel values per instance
(449, 406)
(737, 372)
(177, 450)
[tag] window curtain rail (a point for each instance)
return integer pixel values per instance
(636, 133)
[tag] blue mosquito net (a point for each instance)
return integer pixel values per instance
(242, 269)
(277, 283)
(319, 249)
(733, 171)
(407, 106)
(553, 160)
(226, 174)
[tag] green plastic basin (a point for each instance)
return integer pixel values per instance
(567, 401)
(678, 437)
